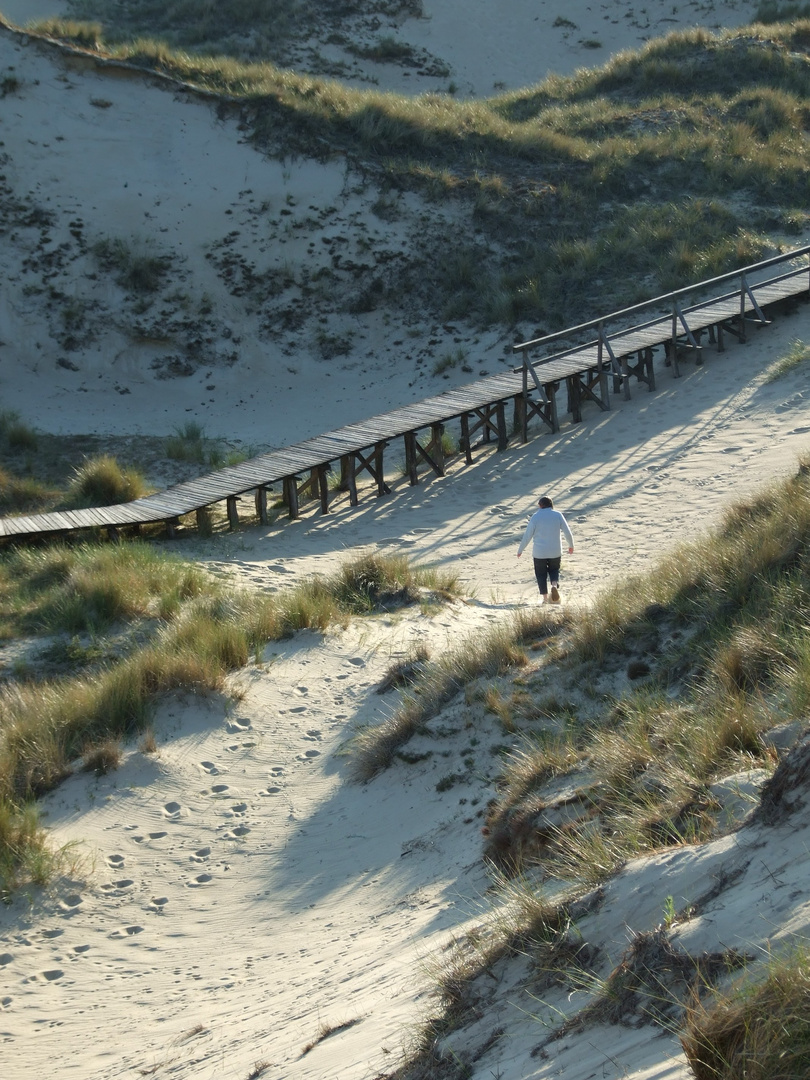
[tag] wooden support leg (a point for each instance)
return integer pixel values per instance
(382, 487)
(348, 477)
(436, 433)
(291, 496)
(113, 534)
(465, 437)
(648, 367)
(485, 434)
(348, 480)
(517, 415)
(410, 457)
(574, 399)
(503, 434)
(672, 357)
(233, 515)
(261, 505)
(323, 488)
(171, 527)
(551, 394)
(521, 420)
(345, 465)
(204, 521)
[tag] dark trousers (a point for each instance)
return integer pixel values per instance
(547, 570)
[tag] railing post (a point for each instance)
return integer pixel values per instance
(674, 342)
(524, 419)
(743, 291)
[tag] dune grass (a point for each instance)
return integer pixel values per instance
(797, 356)
(491, 653)
(101, 481)
(663, 166)
(168, 627)
(723, 622)
(760, 1028)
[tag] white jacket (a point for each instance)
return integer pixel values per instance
(545, 525)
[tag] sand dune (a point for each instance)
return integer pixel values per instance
(246, 910)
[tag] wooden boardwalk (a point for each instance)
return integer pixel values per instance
(586, 370)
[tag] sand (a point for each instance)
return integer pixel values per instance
(240, 900)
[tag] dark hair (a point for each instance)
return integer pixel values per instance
(546, 503)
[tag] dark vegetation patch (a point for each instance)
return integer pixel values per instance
(661, 168)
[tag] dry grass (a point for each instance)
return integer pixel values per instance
(102, 481)
(759, 1029)
(103, 757)
(481, 655)
(184, 633)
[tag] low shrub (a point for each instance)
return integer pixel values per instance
(101, 481)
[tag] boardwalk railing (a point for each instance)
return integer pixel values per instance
(629, 351)
(479, 407)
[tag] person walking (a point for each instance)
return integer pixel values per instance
(545, 528)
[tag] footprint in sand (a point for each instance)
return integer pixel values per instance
(201, 854)
(209, 767)
(51, 975)
(270, 791)
(173, 811)
(303, 690)
(80, 949)
(5, 1002)
(238, 724)
(219, 789)
(309, 755)
(118, 886)
(792, 403)
(53, 933)
(125, 932)
(237, 833)
(239, 808)
(157, 903)
(157, 835)
(71, 903)
(200, 879)
(313, 735)
(115, 861)
(357, 661)
(299, 709)
(5, 958)
(277, 770)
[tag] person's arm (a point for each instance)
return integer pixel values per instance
(529, 533)
(568, 534)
